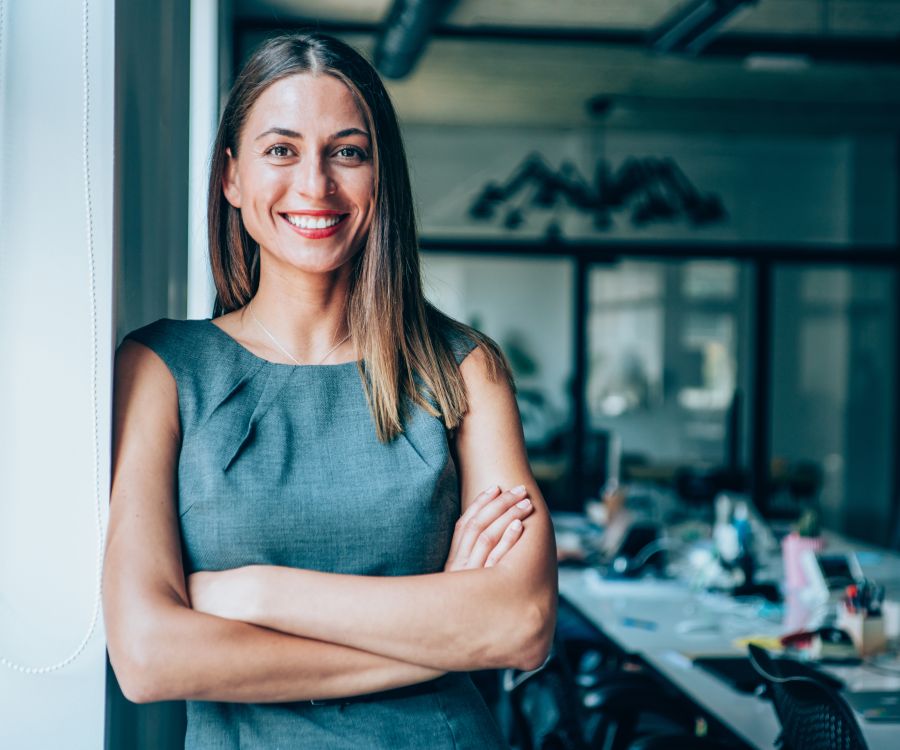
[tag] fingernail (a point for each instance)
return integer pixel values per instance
(518, 490)
(523, 503)
(516, 525)
(492, 488)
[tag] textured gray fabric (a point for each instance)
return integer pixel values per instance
(280, 465)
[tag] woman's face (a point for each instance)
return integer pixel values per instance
(303, 176)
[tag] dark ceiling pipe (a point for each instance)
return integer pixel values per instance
(692, 26)
(405, 33)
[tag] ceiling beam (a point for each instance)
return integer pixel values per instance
(833, 49)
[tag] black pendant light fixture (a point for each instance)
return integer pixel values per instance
(651, 189)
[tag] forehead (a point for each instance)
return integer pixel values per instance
(307, 103)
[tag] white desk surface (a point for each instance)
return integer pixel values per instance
(687, 622)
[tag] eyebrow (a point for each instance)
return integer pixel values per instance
(287, 133)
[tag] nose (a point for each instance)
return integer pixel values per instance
(313, 179)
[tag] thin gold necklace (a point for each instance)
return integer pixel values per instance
(285, 351)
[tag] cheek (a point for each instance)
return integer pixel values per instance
(265, 190)
(362, 187)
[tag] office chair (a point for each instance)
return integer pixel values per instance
(543, 707)
(625, 711)
(568, 705)
(607, 702)
(813, 715)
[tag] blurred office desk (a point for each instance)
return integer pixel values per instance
(664, 623)
(753, 719)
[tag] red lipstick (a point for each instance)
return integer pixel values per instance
(315, 233)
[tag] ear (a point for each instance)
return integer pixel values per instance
(231, 185)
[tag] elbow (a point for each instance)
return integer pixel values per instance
(134, 678)
(135, 685)
(137, 665)
(533, 657)
(535, 636)
(538, 642)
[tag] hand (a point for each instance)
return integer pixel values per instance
(488, 529)
(224, 593)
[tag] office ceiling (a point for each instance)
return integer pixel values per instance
(792, 66)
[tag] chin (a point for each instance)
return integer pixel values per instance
(316, 261)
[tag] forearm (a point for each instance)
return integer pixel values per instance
(472, 619)
(188, 655)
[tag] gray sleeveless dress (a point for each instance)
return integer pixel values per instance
(280, 465)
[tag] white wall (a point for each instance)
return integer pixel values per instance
(56, 347)
(210, 51)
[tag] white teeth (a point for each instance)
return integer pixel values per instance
(312, 222)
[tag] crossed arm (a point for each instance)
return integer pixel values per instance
(305, 634)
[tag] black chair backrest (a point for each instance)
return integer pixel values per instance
(544, 705)
(813, 716)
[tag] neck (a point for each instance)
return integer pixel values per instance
(306, 313)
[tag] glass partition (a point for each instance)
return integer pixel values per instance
(668, 364)
(834, 380)
(526, 305)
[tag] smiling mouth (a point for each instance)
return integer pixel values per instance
(302, 221)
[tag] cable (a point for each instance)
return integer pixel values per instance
(89, 220)
(660, 544)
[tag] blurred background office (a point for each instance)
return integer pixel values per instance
(681, 230)
(678, 218)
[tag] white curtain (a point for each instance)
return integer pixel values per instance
(56, 259)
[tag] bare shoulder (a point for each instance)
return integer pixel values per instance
(476, 366)
(144, 390)
(136, 359)
(487, 380)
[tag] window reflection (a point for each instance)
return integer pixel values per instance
(526, 306)
(833, 394)
(665, 361)
(668, 377)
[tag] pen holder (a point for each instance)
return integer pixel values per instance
(865, 630)
(890, 610)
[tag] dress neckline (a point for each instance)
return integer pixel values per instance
(256, 357)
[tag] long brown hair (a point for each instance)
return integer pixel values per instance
(401, 337)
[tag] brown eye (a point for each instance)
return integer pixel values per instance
(279, 151)
(351, 152)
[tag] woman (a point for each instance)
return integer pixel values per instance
(314, 445)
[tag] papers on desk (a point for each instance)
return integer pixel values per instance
(677, 659)
(646, 588)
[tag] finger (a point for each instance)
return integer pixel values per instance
(481, 499)
(454, 559)
(490, 537)
(481, 520)
(510, 537)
